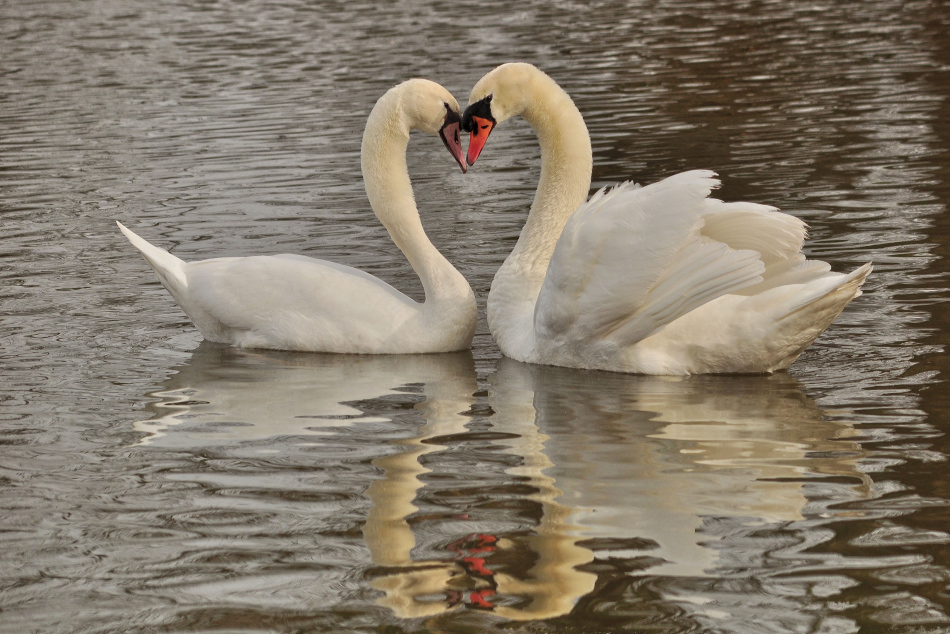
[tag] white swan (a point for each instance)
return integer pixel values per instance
(292, 302)
(653, 280)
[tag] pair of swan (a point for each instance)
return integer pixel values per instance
(655, 280)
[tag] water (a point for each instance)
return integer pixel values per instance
(151, 482)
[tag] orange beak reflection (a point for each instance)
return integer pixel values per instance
(480, 132)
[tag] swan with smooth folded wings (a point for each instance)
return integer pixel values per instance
(292, 302)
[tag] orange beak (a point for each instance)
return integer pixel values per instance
(450, 137)
(476, 142)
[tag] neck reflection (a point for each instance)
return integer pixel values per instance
(647, 471)
(656, 468)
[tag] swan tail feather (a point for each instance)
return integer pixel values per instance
(170, 269)
(799, 322)
(833, 293)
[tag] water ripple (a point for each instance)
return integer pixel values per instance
(151, 483)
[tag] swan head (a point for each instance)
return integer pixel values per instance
(431, 108)
(501, 94)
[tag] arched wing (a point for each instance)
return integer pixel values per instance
(777, 237)
(632, 260)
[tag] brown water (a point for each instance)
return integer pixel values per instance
(151, 482)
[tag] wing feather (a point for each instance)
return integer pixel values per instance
(632, 259)
(776, 236)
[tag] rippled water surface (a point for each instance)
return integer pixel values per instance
(152, 482)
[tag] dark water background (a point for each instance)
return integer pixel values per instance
(150, 482)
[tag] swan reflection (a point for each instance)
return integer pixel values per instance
(621, 466)
(645, 463)
(646, 471)
(225, 394)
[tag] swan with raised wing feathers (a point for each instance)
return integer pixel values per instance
(292, 302)
(659, 279)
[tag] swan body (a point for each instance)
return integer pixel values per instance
(659, 279)
(293, 302)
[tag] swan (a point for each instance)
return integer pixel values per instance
(292, 302)
(659, 279)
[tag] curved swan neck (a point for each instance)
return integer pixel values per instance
(386, 179)
(566, 165)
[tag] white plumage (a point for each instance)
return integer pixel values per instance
(659, 279)
(293, 302)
